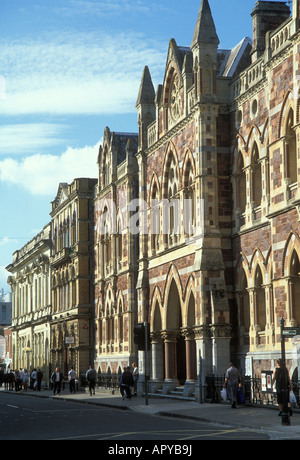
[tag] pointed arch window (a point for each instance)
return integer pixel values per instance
(244, 304)
(259, 300)
(106, 168)
(190, 201)
(241, 198)
(295, 288)
(106, 242)
(119, 244)
(256, 177)
(290, 149)
(155, 219)
(171, 210)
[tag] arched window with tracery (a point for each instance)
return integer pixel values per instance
(106, 242)
(155, 218)
(119, 245)
(171, 208)
(189, 198)
(256, 177)
(241, 198)
(290, 149)
(259, 300)
(295, 287)
(106, 168)
(244, 304)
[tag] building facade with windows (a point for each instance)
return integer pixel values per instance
(116, 252)
(265, 184)
(31, 304)
(193, 223)
(218, 169)
(71, 261)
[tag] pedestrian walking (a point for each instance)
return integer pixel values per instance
(281, 378)
(135, 375)
(25, 379)
(18, 381)
(33, 379)
(126, 383)
(57, 378)
(11, 380)
(231, 383)
(39, 377)
(6, 383)
(91, 377)
(72, 378)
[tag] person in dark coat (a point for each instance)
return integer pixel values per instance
(282, 379)
(57, 379)
(39, 376)
(126, 383)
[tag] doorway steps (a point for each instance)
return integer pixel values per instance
(177, 393)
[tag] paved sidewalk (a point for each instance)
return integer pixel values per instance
(262, 419)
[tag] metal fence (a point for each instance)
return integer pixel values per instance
(108, 381)
(252, 388)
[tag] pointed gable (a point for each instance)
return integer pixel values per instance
(61, 196)
(146, 92)
(205, 30)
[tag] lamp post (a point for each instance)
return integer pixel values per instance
(285, 418)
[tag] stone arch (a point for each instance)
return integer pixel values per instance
(154, 185)
(258, 259)
(188, 164)
(292, 244)
(156, 310)
(287, 104)
(190, 313)
(169, 155)
(254, 136)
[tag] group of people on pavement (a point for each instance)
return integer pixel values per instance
(280, 380)
(22, 379)
(129, 380)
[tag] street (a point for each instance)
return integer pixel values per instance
(29, 418)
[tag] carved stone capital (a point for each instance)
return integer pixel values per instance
(202, 332)
(221, 331)
(170, 336)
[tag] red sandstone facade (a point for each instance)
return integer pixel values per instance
(221, 132)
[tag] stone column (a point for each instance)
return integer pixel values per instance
(157, 362)
(221, 335)
(203, 358)
(191, 363)
(170, 343)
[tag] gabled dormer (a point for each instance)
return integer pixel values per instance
(61, 196)
(111, 154)
(173, 94)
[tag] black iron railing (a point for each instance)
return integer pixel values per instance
(252, 389)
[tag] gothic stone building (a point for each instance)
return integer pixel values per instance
(116, 252)
(72, 291)
(220, 138)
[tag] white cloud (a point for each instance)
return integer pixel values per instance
(76, 73)
(23, 138)
(41, 174)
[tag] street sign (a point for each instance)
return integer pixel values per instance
(289, 333)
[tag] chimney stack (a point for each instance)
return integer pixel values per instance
(267, 16)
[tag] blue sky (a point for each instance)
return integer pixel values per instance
(68, 68)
